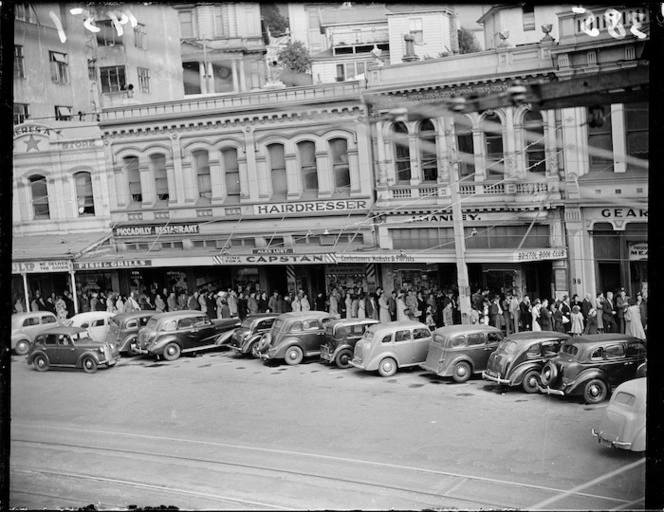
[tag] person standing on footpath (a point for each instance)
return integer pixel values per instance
(448, 315)
(252, 304)
(591, 323)
(643, 310)
(599, 307)
(633, 325)
(608, 313)
(392, 305)
(319, 302)
(566, 310)
(60, 309)
(305, 303)
(172, 302)
(558, 324)
(70, 304)
(576, 321)
(546, 316)
(334, 303)
(515, 312)
(159, 304)
(507, 316)
(535, 312)
(384, 309)
(586, 306)
(526, 313)
(622, 303)
(401, 308)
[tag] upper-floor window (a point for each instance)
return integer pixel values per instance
(140, 37)
(158, 164)
(133, 178)
(108, 34)
(186, 24)
(112, 79)
(306, 151)
(39, 190)
(92, 69)
(340, 167)
(428, 155)
(23, 12)
(528, 17)
(144, 79)
(402, 152)
(221, 20)
(19, 62)
(415, 29)
(534, 142)
(493, 145)
(463, 129)
(63, 113)
(84, 197)
(636, 130)
(600, 136)
(231, 171)
(21, 113)
(59, 67)
(277, 165)
(201, 160)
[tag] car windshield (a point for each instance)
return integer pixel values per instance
(507, 346)
(368, 335)
(571, 350)
(80, 337)
(440, 339)
(277, 325)
(152, 324)
(246, 323)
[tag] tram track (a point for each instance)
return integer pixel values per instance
(268, 468)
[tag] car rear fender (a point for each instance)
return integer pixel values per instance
(519, 372)
(15, 340)
(461, 359)
(224, 337)
(127, 342)
(166, 340)
(372, 364)
(35, 354)
(584, 377)
(639, 443)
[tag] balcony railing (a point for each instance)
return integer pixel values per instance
(440, 192)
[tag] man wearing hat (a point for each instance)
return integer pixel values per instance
(622, 303)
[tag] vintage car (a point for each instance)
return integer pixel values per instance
(388, 347)
(69, 347)
(519, 358)
(169, 335)
(25, 326)
(250, 332)
(623, 424)
(591, 365)
(459, 351)
(96, 322)
(340, 339)
(124, 328)
(295, 336)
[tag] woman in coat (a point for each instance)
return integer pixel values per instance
(633, 325)
(576, 318)
(349, 306)
(401, 308)
(304, 303)
(159, 304)
(362, 306)
(546, 317)
(591, 323)
(535, 311)
(421, 307)
(384, 309)
(558, 325)
(252, 304)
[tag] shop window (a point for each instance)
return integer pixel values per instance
(201, 160)
(84, 197)
(507, 237)
(21, 113)
(636, 127)
(140, 37)
(340, 168)
(133, 178)
(108, 34)
(534, 127)
(19, 62)
(59, 67)
(402, 153)
(112, 79)
(463, 129)
(39, 190)
(277, 163)
(231, 171)
(601, 137)
(143, 79)
(493, 145)
(429, 154)
(306, 151)
(186, 24)
(158, 164)
(415, 29)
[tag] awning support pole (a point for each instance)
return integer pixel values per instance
(25, 291)
(73, 292)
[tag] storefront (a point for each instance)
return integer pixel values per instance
(46, 276)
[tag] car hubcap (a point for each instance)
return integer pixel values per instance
(88, 364)
(461, 371)
(387, 367)
(41, 363)
(594, 391)
(343, 359)
(171, 351)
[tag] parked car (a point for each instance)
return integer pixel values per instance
(459, 351)
(251, 330)
(623, 424)
(25, 326)
(519, 358)
(171, 334)
(124, 327)
(69, 347)
(295, 336)
(340, 339)
(96, 322)
(591, 365)
(388, 347)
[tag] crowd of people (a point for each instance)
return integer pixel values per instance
(433, 307)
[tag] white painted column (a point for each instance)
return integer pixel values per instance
(263, 178)
(381, 175)
(550, 143)
(325, 178)
(292, 176)
(217, 180)
(236, 85)
(202, 76)
(73, 291)
(245, 188)
(121, 186)
(510, 145)
(618, 136)
(185, 190)
(147, 184)
(25, 291)
(243, 82)
(252, 178)
(414, 150)
(480, 151)
(354, 171)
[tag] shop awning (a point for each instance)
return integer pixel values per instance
(30, 252)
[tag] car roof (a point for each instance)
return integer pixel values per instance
(451, 330)
(258, 316)
(536, 336)
(134, 314)
(600, 339)
(21, 316)
(351, 321)
(403, 324)
(184, 313)
(303, 315)
(61, 329)
(91, 314)
(637, 387)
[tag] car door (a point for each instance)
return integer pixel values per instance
(66, 350)
(633, 355)
(493, 339)
(615, 365)
(402, 345)
(421, 342)
(312, 335)
(478, 350)
(49, 344)
(97, 328)
(202, 331)
(47, 321)
(31, 326)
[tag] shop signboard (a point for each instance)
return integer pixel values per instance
(339, 205)
(541, 254)
(638, 251)
(38, 267)
(274, 259)
(100, 265)
(273, 250)
(155, 230)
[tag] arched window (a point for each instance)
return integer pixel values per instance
(231, 171)
(306, 151)
(401, 152)
(493, 140)
(133, 178)
(340, 168)
(429, 153)
(85, 200)
(277, 164)
(201, 160)
(463, 128)
(534, 142)
(158, 163)
(39, 192)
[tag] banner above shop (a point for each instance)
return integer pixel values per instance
(274, 259)
(311, 207)
(153, 230)
(101, 265)
(541, 254)
(638, 251)
(38, 267)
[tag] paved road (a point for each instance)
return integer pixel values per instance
(222, 432)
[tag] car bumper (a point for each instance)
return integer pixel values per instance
(268, 354)
(493, 378)
(609, 443)
(357, 365)
(138, 349)
(548, 391)
(431, 369)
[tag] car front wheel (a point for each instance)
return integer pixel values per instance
(130, 351)
(387, 367)
(595, 391)
(22, 347)
(40, 362)
(343, 359)
(461, 372)
(89, 364)
(171, 352)
(530, 381)
(294, 355)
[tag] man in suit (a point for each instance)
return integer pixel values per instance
(622, 303)
(370, 306)
(526, 316)
(392, 304)
(515, 312)
(586, 306)
(608, 313)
